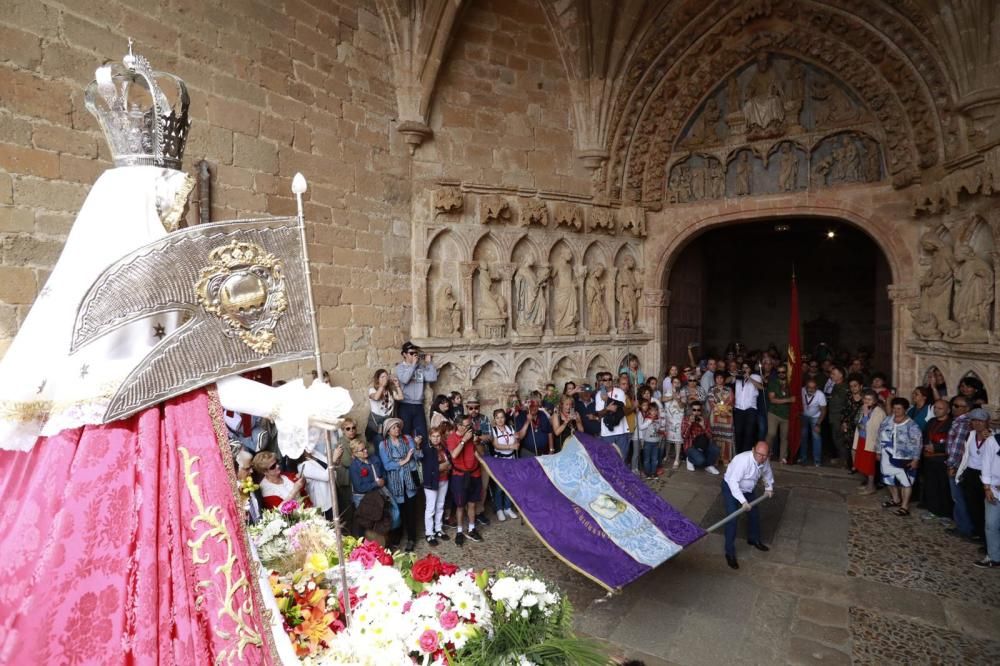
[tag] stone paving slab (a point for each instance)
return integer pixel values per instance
(880, 639)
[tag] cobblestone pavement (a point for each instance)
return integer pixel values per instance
(844, 582)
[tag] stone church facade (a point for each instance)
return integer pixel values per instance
(511, 182)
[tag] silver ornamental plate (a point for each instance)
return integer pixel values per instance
(241, 286)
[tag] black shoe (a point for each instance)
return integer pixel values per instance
(975, 538)
(731, 561)
(482, 519)
(986, 563)
(442, 536)
(474, 535)
(759, 546)
(431, 541)
(410, 546)
(459, 539)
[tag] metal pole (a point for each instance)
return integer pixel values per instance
(299, 186)
(735, 514)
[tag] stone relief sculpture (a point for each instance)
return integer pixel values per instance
(534, 213)
(974, 293)
(447, 200)
(763, 104)
(530, 299)
(744, 173)
(566, 314)
(447, 314)
(494, 210)
(491, 309)
(634, 221)
(567, 215)
(788, 168)
(601, 219)
(931, 317)
(628, 296)
(598, 319)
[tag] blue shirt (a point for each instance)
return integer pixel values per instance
(363, 484)
(535, 439)
(590, 427)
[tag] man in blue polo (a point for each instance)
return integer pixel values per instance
(413, 372)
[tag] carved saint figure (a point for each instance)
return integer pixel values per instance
(852, 161)
(598, 319)
(717, 179)
(531, 299)
(491, 303)
(447, 314)
(873, 162)
(628, 296)
(973, 294)
(788, 168)
(763, 107)
(743, 172)
(566, 313)
(930, 318)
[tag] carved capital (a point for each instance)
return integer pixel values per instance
(534, 212)
(447, 199)
(656, 298)
(414, 132)
(601, 219)
(504, 270)
(421, 267)
(494, 210)
(593, 158)
(467, 269)
(633, 221)
(569, 215)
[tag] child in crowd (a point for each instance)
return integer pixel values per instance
(505, 445)
(651, 429)
(437, 471)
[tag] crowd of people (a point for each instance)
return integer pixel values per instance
(406, 463)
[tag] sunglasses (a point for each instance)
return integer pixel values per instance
(350, 428)
(272, 467)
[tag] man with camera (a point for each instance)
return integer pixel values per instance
(748, 386)
(696, 435)
(413, 372)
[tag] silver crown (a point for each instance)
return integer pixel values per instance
(153, 133)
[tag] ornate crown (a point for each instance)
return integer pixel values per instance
(153, 133)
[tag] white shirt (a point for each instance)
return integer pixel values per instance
(743, 473)
(813, 406)
(668, 387)
(991, 464)
(317, 483)
(707, 381)
(746, 392)
(622, 427)
(379, 408)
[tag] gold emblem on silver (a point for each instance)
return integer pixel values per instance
(244, 286)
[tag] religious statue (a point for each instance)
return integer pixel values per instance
(763, 106)
(717, 179)
(852, 161)
(788, 168)
(531, 299)
(743, 174)
(931, 315)
(873, 162)
(598, 319)
(491, 303)
(973, 295)
(447, 314)
(566, 315)
(628, 296)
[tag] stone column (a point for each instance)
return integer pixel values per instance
(655, 302)
(467, 269)
(613, 309)
(547, 324)
(421, 320)
(579, 278)
(901, 297)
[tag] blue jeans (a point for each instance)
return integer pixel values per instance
(650, 457)
(414, 419)
(963, 522)
(810, 433)
(993, 531)
(620, 442)
(753, 534)
(500, 500)
(703, 459)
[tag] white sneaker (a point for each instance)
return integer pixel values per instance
(500, 516)
(711, 470)
(690, 466)
(512, 515)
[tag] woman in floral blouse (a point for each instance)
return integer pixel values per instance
(720, 415)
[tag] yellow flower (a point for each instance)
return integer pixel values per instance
(317, 562)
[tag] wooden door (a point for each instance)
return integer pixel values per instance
(684, 312)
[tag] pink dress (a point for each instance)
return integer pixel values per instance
(124, 544)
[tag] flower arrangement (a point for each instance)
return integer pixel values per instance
(406, 610)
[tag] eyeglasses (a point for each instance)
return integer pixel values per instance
(350, 428)
(272, 467)
(695, 409)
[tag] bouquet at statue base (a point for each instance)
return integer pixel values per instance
(406, 610)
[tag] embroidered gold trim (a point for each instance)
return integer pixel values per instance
(222, 438)
(172, 216)
(26, 411)
(216, 528)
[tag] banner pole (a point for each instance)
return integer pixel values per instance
(735, 514)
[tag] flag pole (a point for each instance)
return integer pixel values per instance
(735, 514)
(299, 187)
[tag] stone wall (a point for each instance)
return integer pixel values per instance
(276, 88)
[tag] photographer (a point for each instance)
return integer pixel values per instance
(611, 411)
(748, 386)
(413, 372)
(697, 437)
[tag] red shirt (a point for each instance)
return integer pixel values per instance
(690, 429)
(464, 462)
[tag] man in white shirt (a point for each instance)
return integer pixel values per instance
(708, 377)
(813, 413)
(747, 387)
(990, 478)
(970, 469)
(738, 490)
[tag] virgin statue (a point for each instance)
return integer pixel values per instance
(566, 313)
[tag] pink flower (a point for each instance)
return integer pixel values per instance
(439, 607)
(449, 620)
(406, 606)
(429, 641)
(288, 506)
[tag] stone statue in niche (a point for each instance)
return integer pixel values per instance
(601, 219)
(447, 314)
(873, 162)
(534, 213)
(447, 200)
(852, 161)
(974, 293)
(698, 176)
(788, 168)
(566, 313)
(763, 103)
(628, 296)
(598, 319)
(492, 310)
(494, 210)
(931, 318)
(716, 179)
(569, 216)
(530, 299)
(744, 173)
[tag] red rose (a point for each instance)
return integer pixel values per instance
(424, 571)
(364, 471)
(448, 568)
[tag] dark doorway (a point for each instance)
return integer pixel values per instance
(732, 284)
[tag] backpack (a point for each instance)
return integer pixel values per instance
(612, 419)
